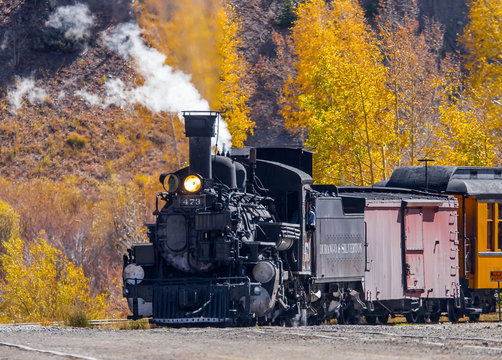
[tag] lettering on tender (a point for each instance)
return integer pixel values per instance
(347, 248)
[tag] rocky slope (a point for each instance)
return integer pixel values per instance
(63, 105)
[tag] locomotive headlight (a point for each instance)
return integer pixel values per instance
(192, 183)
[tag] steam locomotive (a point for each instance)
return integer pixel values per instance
(248, 238)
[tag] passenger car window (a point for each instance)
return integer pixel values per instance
(490, 226)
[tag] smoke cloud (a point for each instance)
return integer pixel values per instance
(75, 20)
(164, 88)
(25, 89)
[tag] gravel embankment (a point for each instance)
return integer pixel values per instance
(442, 341)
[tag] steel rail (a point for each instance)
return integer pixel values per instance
(50, 352)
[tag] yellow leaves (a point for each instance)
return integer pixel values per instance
(232, 97)
(9, 222)
(482, 40)
(41, 284)
(90, 227)
(364, 118)
(186, 32)
(339, 93)
(463, 136)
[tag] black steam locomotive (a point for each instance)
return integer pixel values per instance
(245, 239)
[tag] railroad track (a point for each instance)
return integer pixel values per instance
(62, 323)
(345, 332)
(47, 352)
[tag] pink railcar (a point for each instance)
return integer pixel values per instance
(411, 255)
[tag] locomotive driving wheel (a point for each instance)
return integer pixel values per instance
(474, 317)
(435, 316)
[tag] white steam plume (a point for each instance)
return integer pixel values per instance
(75, 20)
(25, 88)
(164, 89)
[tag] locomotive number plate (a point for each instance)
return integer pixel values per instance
(193, 201)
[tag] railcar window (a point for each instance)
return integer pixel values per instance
(489, 227)
(499, 226)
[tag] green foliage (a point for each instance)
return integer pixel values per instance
(288, 16)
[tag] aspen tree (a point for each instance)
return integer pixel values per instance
(339, 94)
(471, 112)
(417, 76)
(40, 284)
(231, 96)
(482, 41)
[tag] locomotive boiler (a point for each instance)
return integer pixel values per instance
(234, 240)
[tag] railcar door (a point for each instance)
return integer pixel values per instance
(414, 248)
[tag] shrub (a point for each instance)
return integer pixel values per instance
(9, 222)
(76, 141)
(41, 284)
(141, 324)
(77, 319)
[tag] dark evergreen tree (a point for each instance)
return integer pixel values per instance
(288, 15)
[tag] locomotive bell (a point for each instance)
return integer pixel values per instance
(199, 128)
(133, 274)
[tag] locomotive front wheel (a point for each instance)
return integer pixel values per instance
(349, 316)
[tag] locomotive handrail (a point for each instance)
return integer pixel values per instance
(157, 200)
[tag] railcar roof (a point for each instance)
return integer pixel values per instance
(302, 176)
(468, 180)
(380, 193)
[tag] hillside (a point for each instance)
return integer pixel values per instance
(53, 122)
(55, 117)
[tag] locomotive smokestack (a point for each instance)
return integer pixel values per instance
(199, 128)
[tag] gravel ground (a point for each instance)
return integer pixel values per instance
(441, 341)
